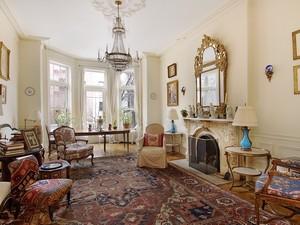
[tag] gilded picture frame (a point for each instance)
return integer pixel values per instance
(296, 44)
(3, 93)
(31, 139)
(172, 93)
(297, 80)
(172, 70)
(4, 61)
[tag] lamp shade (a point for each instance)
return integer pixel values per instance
(173, 114)
(245, 116)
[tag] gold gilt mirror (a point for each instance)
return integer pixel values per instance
(210, 72)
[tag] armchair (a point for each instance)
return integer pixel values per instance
(37, 197)
(151, 148)
(279, 187)
(68, 148)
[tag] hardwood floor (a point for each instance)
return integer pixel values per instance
(244, 193)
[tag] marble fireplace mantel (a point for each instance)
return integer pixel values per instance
(221, 129)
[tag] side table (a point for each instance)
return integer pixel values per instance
(241, 168)
(173, 137)
(50, 170)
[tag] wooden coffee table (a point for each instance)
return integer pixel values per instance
(56, 169)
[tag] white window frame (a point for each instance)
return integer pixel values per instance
(94, 88)
(126, 88)
(60, 84)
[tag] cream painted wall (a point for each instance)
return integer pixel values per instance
(271, 23)
(151, 89)
(30, 76)
(10, 38)
(229, 26)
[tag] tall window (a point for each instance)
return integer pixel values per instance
(94, 95)
(59, 97)
(127, 97)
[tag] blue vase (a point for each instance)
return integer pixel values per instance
(245, 142)
(173, 127)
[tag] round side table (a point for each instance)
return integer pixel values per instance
(56, 169)
(241, 168)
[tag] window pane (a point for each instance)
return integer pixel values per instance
(127, 79)
(58, 73)
(127, 99)
(94, 106)
(58, 96)
(94, 78)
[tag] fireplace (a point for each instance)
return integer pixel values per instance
(204, 153)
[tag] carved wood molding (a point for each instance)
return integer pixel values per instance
(220, 52)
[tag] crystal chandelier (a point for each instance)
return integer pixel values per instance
(118, 58)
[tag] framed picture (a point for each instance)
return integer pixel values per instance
(172, 70)
(3, 91)
(31, 139)
(4, 61)
(297, 80)
(172, 93)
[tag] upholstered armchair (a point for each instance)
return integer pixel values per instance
(282, 188)
(68, 148)
(37, 197)
(151, 148)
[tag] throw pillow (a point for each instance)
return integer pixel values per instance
(153, 140)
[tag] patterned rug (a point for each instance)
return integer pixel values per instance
(116, 192)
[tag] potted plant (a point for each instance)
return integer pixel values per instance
(126, 121)
(63, 118)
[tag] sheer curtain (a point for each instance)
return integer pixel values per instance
(138, 99)
(111, 103)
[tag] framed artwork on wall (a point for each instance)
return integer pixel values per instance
(31, 139)
(297, 80)
(4, 61)
(3, 93)
(296, 44)
(172, 93)
(172, 70)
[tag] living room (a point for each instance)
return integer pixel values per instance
(219, 75)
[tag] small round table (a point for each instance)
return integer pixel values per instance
(174, 144)
(241, 168)
(56, 169)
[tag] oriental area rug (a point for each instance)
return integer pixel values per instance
(116, 192)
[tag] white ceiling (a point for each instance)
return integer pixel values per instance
(75, 27)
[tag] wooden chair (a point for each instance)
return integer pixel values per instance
(51, 141)
(280, 188)
(151, 148)
(69, 148)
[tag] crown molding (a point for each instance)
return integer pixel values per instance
(229, 4)
(11, 18)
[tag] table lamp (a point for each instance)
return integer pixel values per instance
(245, 117)
(173, 116)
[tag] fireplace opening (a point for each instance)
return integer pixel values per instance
(204, 154)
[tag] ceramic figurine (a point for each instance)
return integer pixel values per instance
(199, 110)
(194, 111)
(212, 111)
(190, 111)
(229, 112)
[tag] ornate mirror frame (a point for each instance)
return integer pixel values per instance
(219, 63)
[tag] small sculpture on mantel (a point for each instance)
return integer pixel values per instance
(229, 112)
(212, 111)
(190, 111)
(194, 111)
(199, 110)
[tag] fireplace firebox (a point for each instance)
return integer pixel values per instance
(204, 153)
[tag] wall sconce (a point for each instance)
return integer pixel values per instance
(269, 72)
(183, 89)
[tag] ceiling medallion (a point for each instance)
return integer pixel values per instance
(128, 7)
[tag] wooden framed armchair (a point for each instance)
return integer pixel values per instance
(278, 187)
(151, 148)
(36, 197)
(68, 148)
